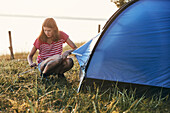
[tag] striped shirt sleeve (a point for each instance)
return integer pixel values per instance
(37, 43)
(63, 36)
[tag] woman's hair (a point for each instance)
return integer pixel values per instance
(49, 22)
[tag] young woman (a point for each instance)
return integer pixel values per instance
(50, 45)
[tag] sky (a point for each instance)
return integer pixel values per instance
(77, 8)
(24, 18)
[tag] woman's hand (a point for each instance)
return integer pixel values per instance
(33, 64)
(72, 45)
(30, 56)
(65, 54)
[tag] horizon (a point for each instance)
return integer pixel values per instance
(24, 19)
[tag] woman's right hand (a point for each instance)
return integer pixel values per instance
(30, 56)
(33, 64)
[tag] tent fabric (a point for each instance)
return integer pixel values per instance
(83, 53)
(135, 48)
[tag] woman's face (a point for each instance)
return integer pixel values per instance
(48, 31)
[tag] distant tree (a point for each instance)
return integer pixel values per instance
(119, 3)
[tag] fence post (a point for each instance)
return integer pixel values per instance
(99, 28)
(10, 47)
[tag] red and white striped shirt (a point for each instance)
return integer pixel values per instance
(46, 50)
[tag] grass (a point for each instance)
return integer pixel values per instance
(28, 93)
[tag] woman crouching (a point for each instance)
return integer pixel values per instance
(50, 45)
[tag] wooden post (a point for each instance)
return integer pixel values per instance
(10, 47)
(99, 28)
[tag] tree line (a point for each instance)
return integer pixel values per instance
(119, 3)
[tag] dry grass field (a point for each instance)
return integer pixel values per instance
(28, 93)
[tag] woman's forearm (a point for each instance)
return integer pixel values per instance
(30, 56)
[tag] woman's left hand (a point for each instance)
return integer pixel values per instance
(65, 54)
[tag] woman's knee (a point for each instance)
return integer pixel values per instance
(51, 65)
(66, 65)
(69, 62)
(55, 62)
(58, 60)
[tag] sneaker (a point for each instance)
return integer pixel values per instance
(43, 75)
(61, 76)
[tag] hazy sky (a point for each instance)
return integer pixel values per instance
(77, 8)
(25, 29)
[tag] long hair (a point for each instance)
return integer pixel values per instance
(49, 22)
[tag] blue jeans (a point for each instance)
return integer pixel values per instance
(39, 67)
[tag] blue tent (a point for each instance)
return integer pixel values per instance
(134, 46)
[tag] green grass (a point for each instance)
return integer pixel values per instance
(28, 93)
